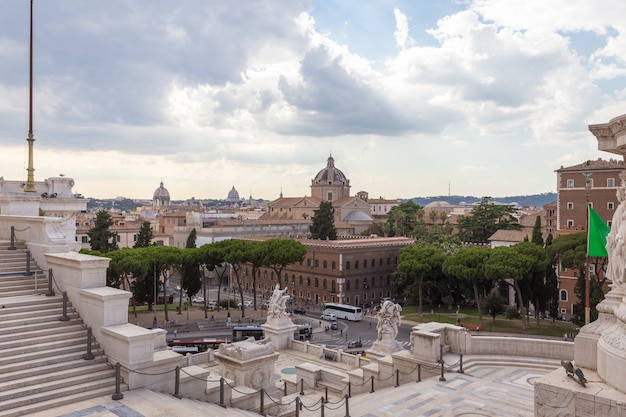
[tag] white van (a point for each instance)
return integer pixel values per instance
(329, 317)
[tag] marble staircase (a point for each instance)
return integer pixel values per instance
(42, 350)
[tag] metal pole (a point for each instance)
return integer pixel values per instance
(347, 407)
(322, 406)
(297, 406)
(301, 386)
(372, 387)
(154, 321)
(419, 372)
(88, 356)
(326, 393)
(461, 371)
(261, 402)
(12, 247)
(177, 384)
(349, 389)
(64, 316)
(50, 292)
(397, 377)
(118, 394)
(221, 404)
(27, 261)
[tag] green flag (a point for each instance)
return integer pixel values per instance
(596, 235)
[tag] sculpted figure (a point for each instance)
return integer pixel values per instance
(615, 244)
(388, 320)
(278, 303)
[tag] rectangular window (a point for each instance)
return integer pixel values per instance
(84, 239)
(570, 183)
(570, 224)
(570, 205)
(610, 182)
(610, 205)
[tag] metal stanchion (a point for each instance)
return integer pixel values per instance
(262, 402)
(88, 356)
(301, 386)
(397, 378)
(372, 387)
(221, 404)
(347, 407)
(177, 384)
(461, 371)
(50, 291)
(419, 372)
(118, 394)
(64, 316)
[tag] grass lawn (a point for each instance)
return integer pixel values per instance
(468, 317)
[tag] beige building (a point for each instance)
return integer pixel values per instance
(353, 214)
(356, 271)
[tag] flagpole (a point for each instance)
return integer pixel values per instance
(587, 176)
(587, 276)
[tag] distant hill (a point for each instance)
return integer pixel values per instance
(537, 200)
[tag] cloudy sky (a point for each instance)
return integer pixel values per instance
(411, 97)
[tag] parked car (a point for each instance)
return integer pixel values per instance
(197, 300)
(329, 317)
(246, 304)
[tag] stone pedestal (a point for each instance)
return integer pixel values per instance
(382, 348)
(249, 364)
(279, 331)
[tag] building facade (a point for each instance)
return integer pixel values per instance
(350, 271)
(593, 183)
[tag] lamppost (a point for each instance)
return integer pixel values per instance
(587, 176)
(154, 321)
(228, 320)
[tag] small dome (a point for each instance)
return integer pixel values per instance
(233, 195)
(161, 196)
(330, 173)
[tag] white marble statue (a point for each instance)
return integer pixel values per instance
(388, 320)
(278, 303)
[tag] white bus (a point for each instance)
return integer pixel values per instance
(343, 311)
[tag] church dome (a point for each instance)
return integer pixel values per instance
(233, 195)
(161, 196)
(330, 173)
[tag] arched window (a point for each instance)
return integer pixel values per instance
(333, 286)
(356, 264)
(317, 282)
(563, 295)
(317, 263)
(300, 281)
(324, 283)
(308, 281)
(356, 284)
(325, 264)
(365, 263)
(348, 265)
(347, 285)
(333, 265)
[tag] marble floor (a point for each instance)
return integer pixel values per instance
(482, 391)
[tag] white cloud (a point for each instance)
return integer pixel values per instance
(208, 94)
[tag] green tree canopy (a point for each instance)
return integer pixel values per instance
(100, 237)
(145, 236)
(416, 264)
(468, 266)
(323, 222)
(403, 219)
(485, 219)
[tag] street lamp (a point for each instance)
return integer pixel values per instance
(154, 321)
